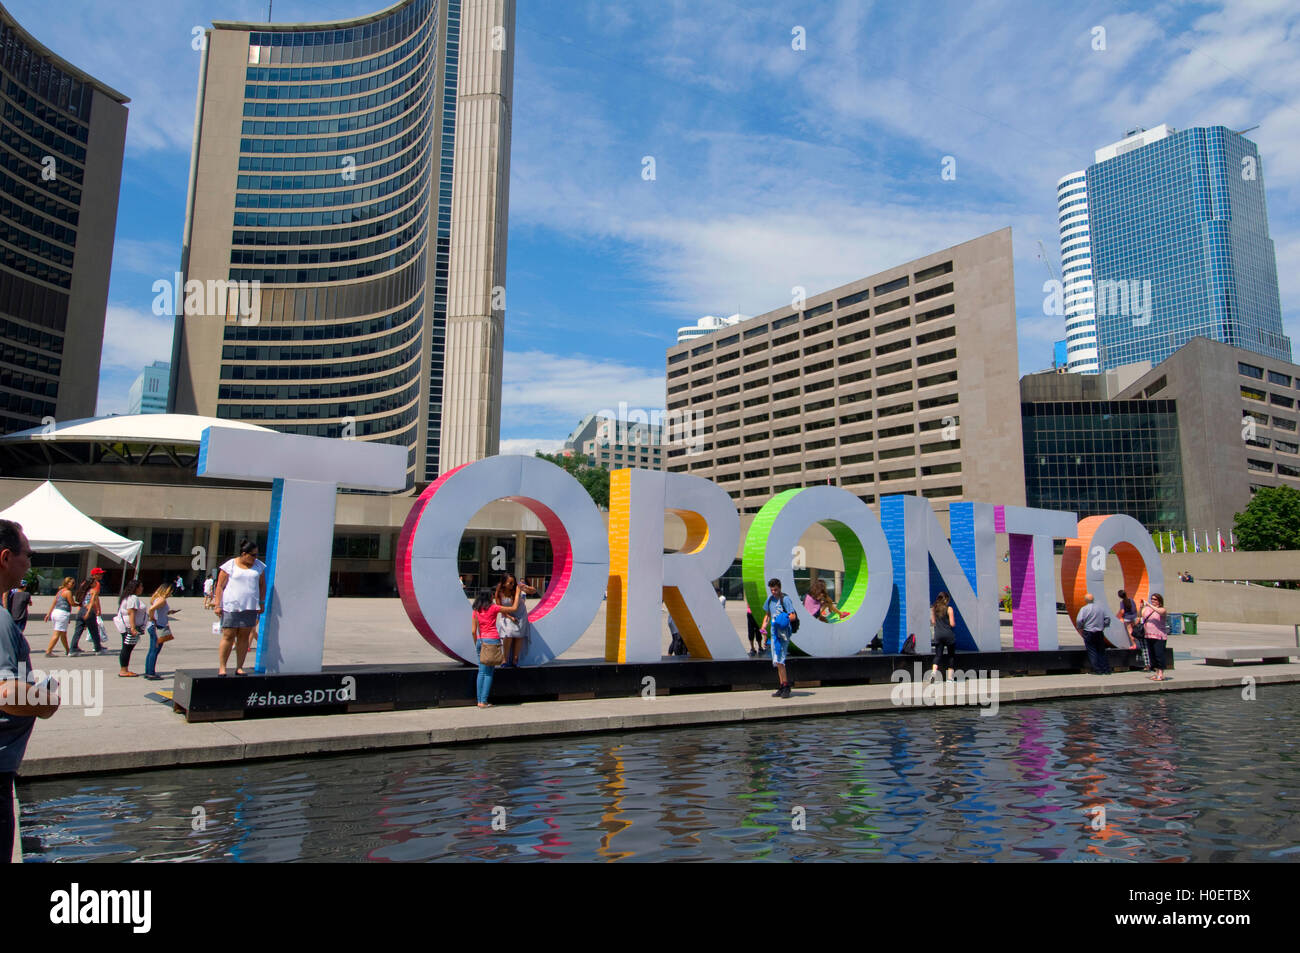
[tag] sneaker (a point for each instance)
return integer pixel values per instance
(780, 692)
(785, 689)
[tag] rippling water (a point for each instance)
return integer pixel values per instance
(1180, 776)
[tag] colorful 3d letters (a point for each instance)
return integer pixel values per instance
(428, 578)
(892, 566)
(305, 474)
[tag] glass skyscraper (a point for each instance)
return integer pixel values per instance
(1177, 247)
(355, 267)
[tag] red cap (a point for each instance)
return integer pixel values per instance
(97, 571)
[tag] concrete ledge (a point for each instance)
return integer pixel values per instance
(179, 744)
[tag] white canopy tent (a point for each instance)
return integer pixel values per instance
(53, 525)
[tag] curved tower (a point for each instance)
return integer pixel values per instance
(62, 133)
(331, 251)
(1076, 274)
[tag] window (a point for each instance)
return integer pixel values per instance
(1280, 401)
(936, 335)
(782, 395)
(1263, 465)
(1281, 423)
(884, 349)
(855, 418)
(898, 388)
(941, 446)
(856, 376)
(818, 329)
(853, 358)
(758, 474)
(894, 409)
(1258, 442)
(893, 326)
(1286, 446)
(678, 358)
(888, 306)
(940, 401)
(756, 419)
(1284, 470)
(817, 311)
(857, 458)
(785, 322)
(1156, 387)
(729, 340)
(889, 286)
(755, 332)
(785, 412)
(896, 431)
(938, 423)
(1250, 370)
(856, 437)
(757, 365)
(820, 444)
(819, 405)
(702, 349)
(893, 368)
(852, 299)
(856, 336)
(755, 401)
(934, 292)
(852, 318)
(857, 478)
(945, 378)
(935, 272)
(724, 358)
(941, 468)
(938, 491)
(936, 357)
(897, 474)
(943, 312)
(784, 358)
(897, 452)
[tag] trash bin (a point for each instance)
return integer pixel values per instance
(1189, 623)
(1175, 623)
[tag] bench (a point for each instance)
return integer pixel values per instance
(1268, 653)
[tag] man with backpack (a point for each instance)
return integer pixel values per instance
(778, 610)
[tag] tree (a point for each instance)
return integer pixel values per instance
(595, 480)
(1270, 521)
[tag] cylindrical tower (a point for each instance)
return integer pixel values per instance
(1076, 274)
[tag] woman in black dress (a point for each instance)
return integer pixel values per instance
(945, 640)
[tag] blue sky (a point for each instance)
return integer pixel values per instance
(774, 167)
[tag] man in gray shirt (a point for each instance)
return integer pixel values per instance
(18, 708)
(1091, 623)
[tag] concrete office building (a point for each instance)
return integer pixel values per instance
(364, 165)
(1165, 238)
(902, 382)
(1238, 425)
(62, 134)
(148, 393)
(614, 444)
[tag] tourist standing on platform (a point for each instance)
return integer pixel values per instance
(1128, 611)
(130, 620)
(945, 638)
(238, 600)
(18, 709)
(88, 612)
(513, 628)
(487, 640)
(1155, 622)
(159, 629)
(1091, 623)
(61, 614)
(778, 610)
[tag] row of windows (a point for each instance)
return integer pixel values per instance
(329, 90)
(36, 267)
(351, 196)
(42, 76)
(31, 174)
(369, 137)
(338, 217)
(347, 168)
(260, 74)
(36, 386)
(41, 201)
(296, 372)
(24, 404)
(348, 124)
(334, 163)
(378, 405)
(38, 133)
(11, 355)
(335, 107)
(15, 214)
(339, 253)
(56, 120)
(332, 274)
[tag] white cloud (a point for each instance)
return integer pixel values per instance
(134, 339)
(554, 392)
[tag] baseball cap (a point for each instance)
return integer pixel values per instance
(97, 571)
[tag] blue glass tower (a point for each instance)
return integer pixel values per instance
(1180, 246)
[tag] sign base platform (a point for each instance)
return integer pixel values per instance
(202, 695)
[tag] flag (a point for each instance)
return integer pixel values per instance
(1219, 533)
(1160, 538)
(1196, 546)
(1184, 540)
(1232, 541)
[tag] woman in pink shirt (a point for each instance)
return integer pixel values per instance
(1154, 620)
(487, 640)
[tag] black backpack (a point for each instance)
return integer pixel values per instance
(909, 647)
(876, 644)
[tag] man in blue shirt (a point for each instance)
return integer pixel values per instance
(1091, 623)
(20, 706)
(778, 609)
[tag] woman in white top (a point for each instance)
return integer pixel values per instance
(238, 600)
(130, 621)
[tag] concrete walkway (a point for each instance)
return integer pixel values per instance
(136, 728)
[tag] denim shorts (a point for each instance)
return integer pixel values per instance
(780, 645)
(243, 619)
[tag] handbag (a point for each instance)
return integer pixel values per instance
(490, 654)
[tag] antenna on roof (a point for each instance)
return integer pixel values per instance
(269, 5)
(1242, 132)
